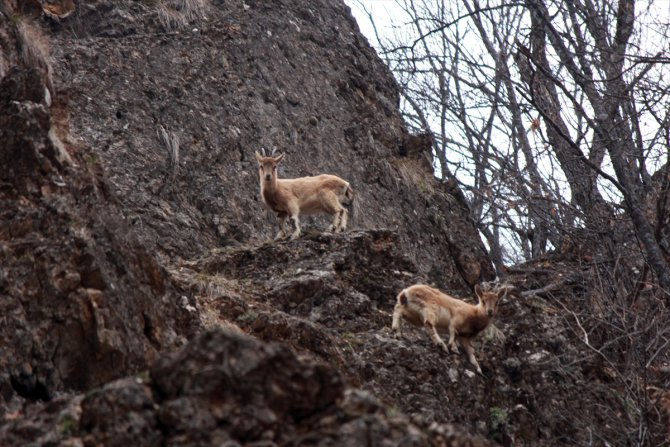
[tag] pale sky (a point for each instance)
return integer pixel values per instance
(382, 10)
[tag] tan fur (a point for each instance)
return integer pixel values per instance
(422, 305)
(307, 195)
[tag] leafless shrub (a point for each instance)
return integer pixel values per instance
(171, 143)
(413, 174)
(176, 14)
(33, 49)
(622, 321)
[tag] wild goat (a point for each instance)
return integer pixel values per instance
(307, 195)
(425, 306)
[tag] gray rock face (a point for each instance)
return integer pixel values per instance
(77, 290)
(93, 204)
(226, 388)
(118, 244)
(294, 75)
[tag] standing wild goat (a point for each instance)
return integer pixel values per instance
(307, 195)
(425, 306)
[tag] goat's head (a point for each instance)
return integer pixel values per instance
(267, 166)
(489, 298)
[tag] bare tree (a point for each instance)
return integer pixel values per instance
(553, 116)
(465, 95)
(592, 41)
(538, 109)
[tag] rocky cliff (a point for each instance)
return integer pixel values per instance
(294, 75)
(141, 300)
(79, 291)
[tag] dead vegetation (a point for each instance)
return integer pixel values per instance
(622, 322)
(413, 174)
(177, 14)
(31, 45)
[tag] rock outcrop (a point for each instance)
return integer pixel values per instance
(131, 223)
(226, 388)
(296, 76)
(127, 133)
(81, 300)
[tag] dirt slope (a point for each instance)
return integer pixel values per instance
(329, 298)
(332, 297)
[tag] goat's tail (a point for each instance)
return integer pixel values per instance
(402, 297)
(351, 202)
(349, 193)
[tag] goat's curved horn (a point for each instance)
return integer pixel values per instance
(274, 149)
(263, 152)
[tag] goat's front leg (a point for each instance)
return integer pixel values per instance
(343, 220)
(334, 228)
(340, 222)
(281, 219)
(467, 344)
(296, 223)
(432, 333)
(397, 320)
(452, 338)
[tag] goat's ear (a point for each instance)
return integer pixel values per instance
(478, 291)
(279, 158)
(258, 156)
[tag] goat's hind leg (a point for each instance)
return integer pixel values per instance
(281, 219)
(467, 345)
(452, 338)
(429, 324)
(397, 320)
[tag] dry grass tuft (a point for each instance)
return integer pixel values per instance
(34, 51)
(413, 174)
(210, 291)
(176, 14)
(494, 335)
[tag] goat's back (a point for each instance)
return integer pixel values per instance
(430, 295)
(306, 189)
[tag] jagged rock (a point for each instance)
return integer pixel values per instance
(513, 367)
(297, 76)
(225, 388)
(328, 279)
(79, 293)
(332, 295)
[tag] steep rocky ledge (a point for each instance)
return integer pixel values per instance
(94, 205)
(228, 389)
(78, 293)
(294, 75)
(339, 375)
(130, 223)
